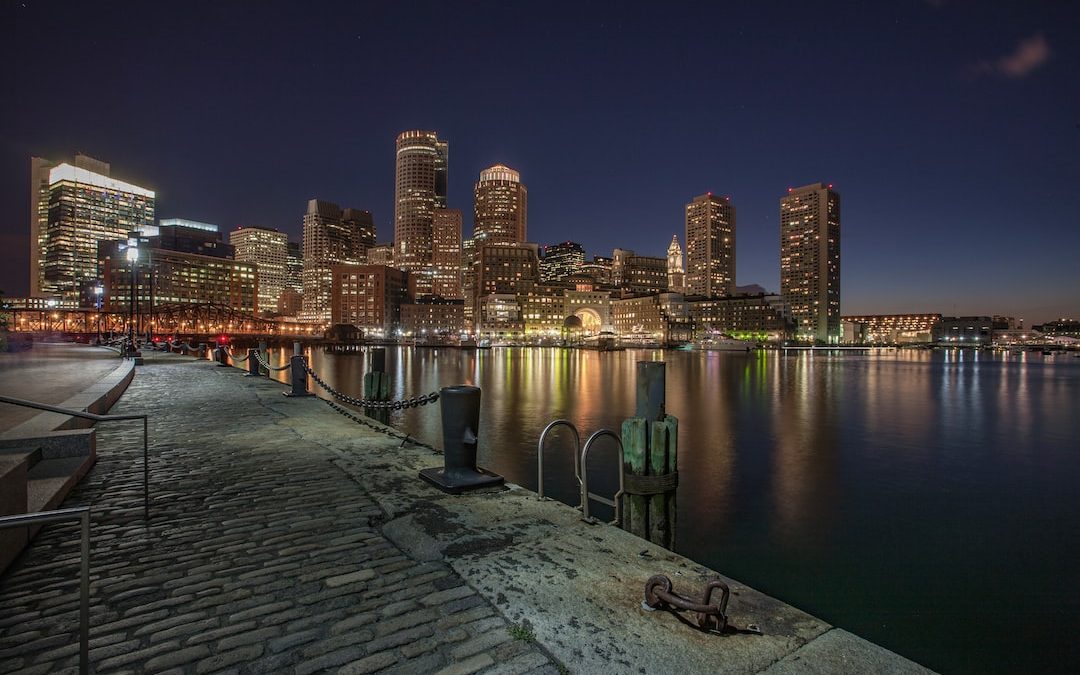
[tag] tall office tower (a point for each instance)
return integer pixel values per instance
(268, 249)
(446, 259)
(676, 274)
(79, 206)
(419, 189)
(362, 225)
(710, 246)
(810, 260)
(329, 240)
(294, 267)
(501, 207)
(561, 261)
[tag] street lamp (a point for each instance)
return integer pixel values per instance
(98, 291)
(132, 255)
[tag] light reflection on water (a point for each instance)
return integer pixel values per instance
(927, 501)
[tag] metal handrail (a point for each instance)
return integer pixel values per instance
(83, 514)
(585, 494)
(540, 454)
(99, 418)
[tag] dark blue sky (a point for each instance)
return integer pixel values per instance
(950, 128)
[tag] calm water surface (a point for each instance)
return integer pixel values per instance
(927, 501)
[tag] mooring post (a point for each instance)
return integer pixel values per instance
(297, 349)
(298, 377)
(650, 444)
(460, 408)
(222, 359)
(252, 363)
(377, 380)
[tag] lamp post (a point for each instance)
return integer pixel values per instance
(132, 255)
(98, 291)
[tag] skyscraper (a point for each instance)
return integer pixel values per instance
(446, 258)
(676, 274)
(329, 239)
(78, 207)
(419, 188)
(810, 260)
(561, 261)
(501, 207)
(710, 246)
(268, 250)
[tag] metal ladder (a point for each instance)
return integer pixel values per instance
(581, 469)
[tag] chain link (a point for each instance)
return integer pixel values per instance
(414, 402)
(238, 359)
(264, 364)
(381, 428)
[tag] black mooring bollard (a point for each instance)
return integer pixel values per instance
(219, 356)
(460, 408)
(299, 378)
(253, 363)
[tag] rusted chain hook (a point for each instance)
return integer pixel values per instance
(711, 611)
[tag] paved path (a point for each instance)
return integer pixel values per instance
(262, 556)
(50, 373)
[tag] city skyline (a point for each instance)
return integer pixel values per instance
(955, 249)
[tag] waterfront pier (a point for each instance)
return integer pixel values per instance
(286, 537)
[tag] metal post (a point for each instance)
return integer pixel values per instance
(297, 349)
(83, 514)
(264, 354)
(219, 356)
(460, 408)
(298, 377)
(252, 363)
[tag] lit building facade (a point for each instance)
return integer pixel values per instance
(500, 208)
(810, 260)
(433, 316)
(960, 331)
(659, 318)
(166, 278)
(895, 329)
(503, 271)
(80, 208)
(422, 162)
(381, 254)
(446, 258)
(543, 310)
(762, 317)
(676, 273)
(644, 274)
(561, 261)
(369, 297)
(268, 250)
(329, 240)
(710, 246)
(599, 268)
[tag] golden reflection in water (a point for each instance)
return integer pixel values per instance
(805, 456)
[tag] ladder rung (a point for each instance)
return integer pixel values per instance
(603, 500)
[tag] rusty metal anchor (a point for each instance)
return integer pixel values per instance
(711, 612)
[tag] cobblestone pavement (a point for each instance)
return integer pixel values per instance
(261, 555)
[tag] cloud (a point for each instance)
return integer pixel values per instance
(1029, 55)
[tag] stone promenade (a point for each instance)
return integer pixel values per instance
(262, 554)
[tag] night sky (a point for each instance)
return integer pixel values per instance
(950, 128)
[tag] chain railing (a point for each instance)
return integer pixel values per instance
(389, 431)
(234, 357)
(401, 404)
(267, 366)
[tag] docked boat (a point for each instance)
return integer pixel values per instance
(724, 343)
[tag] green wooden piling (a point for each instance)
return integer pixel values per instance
(650, 444)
